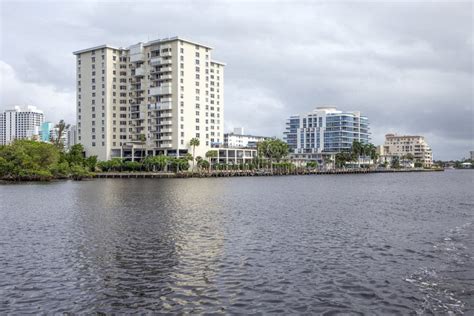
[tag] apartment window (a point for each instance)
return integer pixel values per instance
(197, 120)
(197, 69)
(198, 135)
(182, 49)
(181, 65)
(197, 61)
(93, 144)
(197, 127)
(93, 59)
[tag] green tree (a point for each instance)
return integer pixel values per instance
(194, 142)
(62, 127)
(273, 149)
(210, 155)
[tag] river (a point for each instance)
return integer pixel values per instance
(396, 243)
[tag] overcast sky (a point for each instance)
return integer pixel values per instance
(407, 66)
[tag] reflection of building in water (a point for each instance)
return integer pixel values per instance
(154, 237)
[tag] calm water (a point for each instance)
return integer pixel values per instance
(372, 244)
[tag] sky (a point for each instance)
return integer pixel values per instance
(407, 65)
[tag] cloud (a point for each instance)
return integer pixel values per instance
(408, 66)
(55, 103)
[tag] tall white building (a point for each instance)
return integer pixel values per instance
(402, 145)
(20, 123)
(148, 99)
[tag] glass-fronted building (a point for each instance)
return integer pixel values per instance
(325, 130)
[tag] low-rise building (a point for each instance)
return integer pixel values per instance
(20, 123)
(404, 146)
(238, 139)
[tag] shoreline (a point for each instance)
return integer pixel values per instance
(216, 174)
(235, 173)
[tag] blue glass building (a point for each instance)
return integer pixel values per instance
(325, 130)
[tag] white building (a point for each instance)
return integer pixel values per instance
(325, 131)
(402, 145)
(238, 139)
(20, 123)
(71, 136)
(148, 99)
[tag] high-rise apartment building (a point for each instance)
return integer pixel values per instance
(148, 99)
(325, 130)
(402, 145)
(20, 123)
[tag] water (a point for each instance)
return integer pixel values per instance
(357, 244)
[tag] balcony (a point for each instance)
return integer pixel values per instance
(166, 100)
(165, 123)
(166, 54)
(162, 90)
(166, 138)
(137, 57)
(165, 77)
(166, 115)
(166, 61)
(166, 69)
(155, 61)
(166, 130)
(165, 145)
(164, 105)
(140, 72)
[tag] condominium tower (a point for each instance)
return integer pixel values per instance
(148, 99)
(20, 123)
(325, 130)
(402, 145)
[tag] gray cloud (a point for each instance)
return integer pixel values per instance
(407, 66)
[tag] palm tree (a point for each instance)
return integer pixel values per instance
(194, 142)
(61, 126)
(211, 154)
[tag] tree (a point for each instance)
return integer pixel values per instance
(395, 162)
(273, 149)
(210, 154)
(194, 142)
(61, 126)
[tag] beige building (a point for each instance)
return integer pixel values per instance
(148, 99)
(400, 146)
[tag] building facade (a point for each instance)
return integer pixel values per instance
(402, 145)
(20, 123)
(47, 132)
(71, 136)
(325, 131)
(238, 139)
(148, 99)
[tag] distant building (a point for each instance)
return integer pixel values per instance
(46, 131)
(325, 131)
(71, 136)
(401, 146)
(20, 123)
(238, 139)
(472, 154)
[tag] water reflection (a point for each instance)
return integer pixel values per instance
(373, 244)
(143, 240)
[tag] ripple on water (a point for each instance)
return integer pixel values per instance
(287, 245)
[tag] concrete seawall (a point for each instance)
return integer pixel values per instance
(236, 173)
